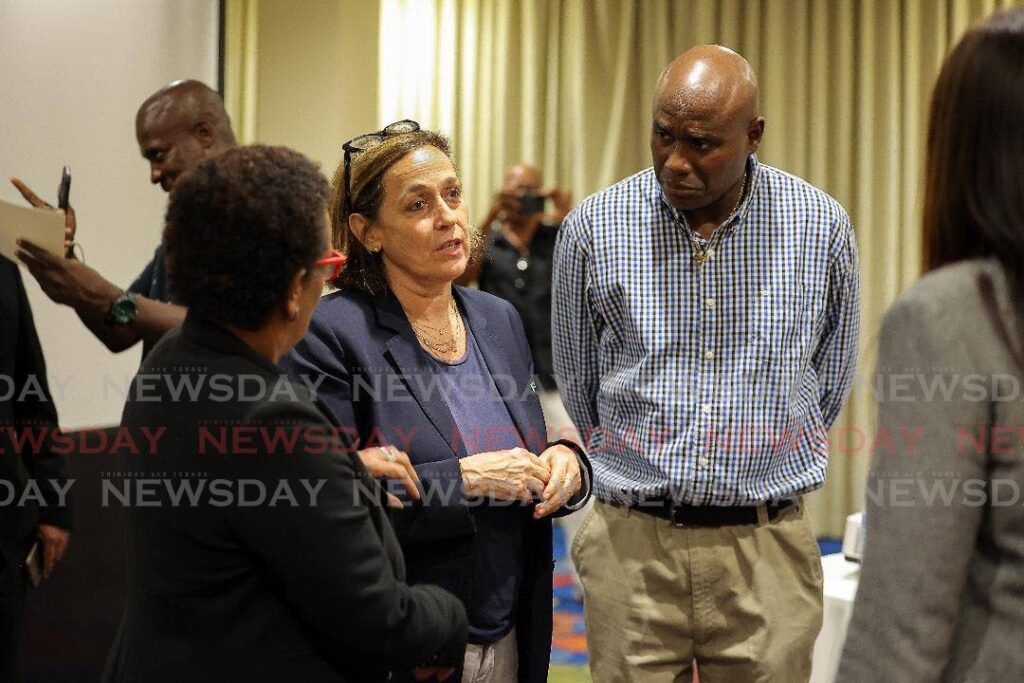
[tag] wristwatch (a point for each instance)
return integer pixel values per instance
(122, 310)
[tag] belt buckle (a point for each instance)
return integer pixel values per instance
(675, 515)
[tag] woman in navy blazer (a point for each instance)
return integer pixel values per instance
(443, 374)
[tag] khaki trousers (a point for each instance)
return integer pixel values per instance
(744, 601)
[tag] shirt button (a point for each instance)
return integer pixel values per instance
(703, 461)
(519, 283)
(709, 355)
(710, 253)
(765, 292)
(706, 408)
(710, 302)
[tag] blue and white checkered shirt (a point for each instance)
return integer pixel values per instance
(712, 384)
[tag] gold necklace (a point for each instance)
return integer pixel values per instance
(433, 338)
(702, 254)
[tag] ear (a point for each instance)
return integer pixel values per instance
(755, 129)
(293, 299)
(205, 134)
(367, 233)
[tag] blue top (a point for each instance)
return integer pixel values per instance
(152, 284)
(357, 342)
(714, 384)
(484, 424)
(152, 281)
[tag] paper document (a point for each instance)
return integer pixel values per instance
(39, 226)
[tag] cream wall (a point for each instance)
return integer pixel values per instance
(73, 75)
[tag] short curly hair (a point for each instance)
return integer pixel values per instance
(364, 270)
(239, 227)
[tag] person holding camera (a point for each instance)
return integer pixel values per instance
(521, 226)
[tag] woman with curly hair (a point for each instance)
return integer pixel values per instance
(258, 548)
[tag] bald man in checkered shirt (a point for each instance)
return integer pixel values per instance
(705, 325)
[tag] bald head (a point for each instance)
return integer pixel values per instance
(705, 125)
(194, 102)
(523, 178)
(711, 77)
(180, 125)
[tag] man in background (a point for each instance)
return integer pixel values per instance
(520, 229)
(33, 478)
(176, 127)
(705, 326)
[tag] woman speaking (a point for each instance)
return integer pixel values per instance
(444, 374)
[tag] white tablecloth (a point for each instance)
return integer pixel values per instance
(840, 588)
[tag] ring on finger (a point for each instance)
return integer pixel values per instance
(388, 453)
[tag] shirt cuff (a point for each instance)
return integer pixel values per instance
(581, 460)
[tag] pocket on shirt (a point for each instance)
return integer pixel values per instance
(788, 322)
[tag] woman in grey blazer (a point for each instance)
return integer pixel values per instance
(941, 594)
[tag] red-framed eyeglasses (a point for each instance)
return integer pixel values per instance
(337, 263)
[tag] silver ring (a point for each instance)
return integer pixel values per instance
(388, 454)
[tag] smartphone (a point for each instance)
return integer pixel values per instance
(64, 192)
(531, 203)
(34, 566)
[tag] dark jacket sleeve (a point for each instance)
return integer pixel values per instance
(322, 361)
(337, 560)
(34, 410)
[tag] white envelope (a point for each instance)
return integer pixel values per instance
(42, 227)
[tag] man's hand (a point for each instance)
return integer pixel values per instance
(562, 200)
(565, 479)
(66, 281)
(391, 463)
(54, 542)
(514, 474)
(70, 223)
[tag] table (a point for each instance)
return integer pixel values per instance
(841, 577)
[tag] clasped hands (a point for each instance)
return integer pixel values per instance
(517, 474)
(514, 474)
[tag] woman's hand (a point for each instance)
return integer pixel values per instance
(565, 479)
(513, 474)
(391, 463)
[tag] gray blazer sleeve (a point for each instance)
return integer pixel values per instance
(926, 497)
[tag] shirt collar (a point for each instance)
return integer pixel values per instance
(736, 218)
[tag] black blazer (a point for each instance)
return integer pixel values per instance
(355, 347)
(25, 406)
(219, 591)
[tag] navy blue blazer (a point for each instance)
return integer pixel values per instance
(374, 375)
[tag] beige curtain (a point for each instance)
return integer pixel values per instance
(241, 52)
(567, 85)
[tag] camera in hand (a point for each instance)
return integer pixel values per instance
(531, 203)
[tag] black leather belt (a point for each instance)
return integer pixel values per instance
(683, 515)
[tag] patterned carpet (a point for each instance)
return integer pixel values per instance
(569, 642)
